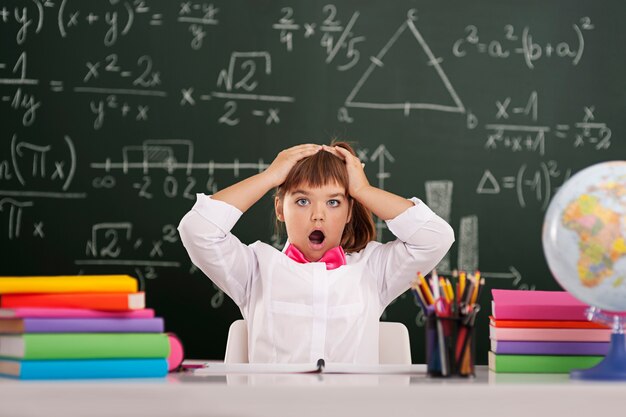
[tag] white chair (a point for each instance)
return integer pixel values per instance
(393, 343)
(394, 346)
(237, 343)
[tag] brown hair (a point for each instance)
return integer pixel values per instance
(324, 168)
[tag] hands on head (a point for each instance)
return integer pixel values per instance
(287, 159)
(356, 174)
(245, 193)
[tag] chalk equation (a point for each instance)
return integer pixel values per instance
(516, 128)
(515, 42)
(35, 171)
(198, 16)
(29, 18)
(242, 81)
(531, 185)
(138, 80)
(50, 165)
(336, 38)
(141, 83)
(111, 23)
(117, 244)
(21, 99)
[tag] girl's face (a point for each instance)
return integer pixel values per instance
(314, 218)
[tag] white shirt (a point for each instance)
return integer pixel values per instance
(303, 312)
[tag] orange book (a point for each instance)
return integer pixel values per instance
(546, 324)
(94, 301)
(68, 283)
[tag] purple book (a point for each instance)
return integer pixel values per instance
(45, 325)
(549, 348)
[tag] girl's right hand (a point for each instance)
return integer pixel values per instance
(286, 159)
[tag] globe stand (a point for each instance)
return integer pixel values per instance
(613, 366)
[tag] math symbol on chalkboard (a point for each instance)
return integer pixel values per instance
(379, 70)
(34, 164)
(592, 131)
(524, 134)
(26, 18)
(110, 240)
(118, 21)
(240, 81)
(15, 210)
(169, 155)
(37, 171)
(530, 185)
(20, 99)
(23, 101)
(335, 36)
(198, 16)
(125, 81)
(517, 129)
(524, 44)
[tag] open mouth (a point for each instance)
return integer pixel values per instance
(316, 237)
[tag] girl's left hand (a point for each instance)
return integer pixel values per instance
(356, 174)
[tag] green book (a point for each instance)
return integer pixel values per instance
(84, 345)
(545, 364)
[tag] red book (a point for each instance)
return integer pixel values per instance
(552, 324)
(95, 301)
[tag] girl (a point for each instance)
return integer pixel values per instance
(322, 296)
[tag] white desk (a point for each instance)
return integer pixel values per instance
(318, 395)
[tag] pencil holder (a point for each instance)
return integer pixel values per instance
(450, 345)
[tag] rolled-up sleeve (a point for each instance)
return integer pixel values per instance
(423, 239)
(205, 234)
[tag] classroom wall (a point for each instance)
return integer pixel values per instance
(114, 114)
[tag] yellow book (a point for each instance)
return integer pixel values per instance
(68, 284)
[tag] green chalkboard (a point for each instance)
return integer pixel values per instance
(114, 114)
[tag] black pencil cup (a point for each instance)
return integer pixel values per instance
(450, 346)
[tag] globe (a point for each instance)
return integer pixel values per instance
(584, 236)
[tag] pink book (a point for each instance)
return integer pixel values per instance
(145, 313)
(536, 305)
(549, 335)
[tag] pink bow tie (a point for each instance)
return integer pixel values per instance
(334, 257)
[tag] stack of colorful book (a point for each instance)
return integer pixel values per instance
(63, 327)
(543, 332)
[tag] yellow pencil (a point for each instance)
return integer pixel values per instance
(478, 283)
(449, 290)
(461, 283)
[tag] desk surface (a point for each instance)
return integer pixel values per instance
(304, 395)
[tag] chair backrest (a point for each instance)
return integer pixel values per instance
(394, 346)
(237, 343)
(393, 343)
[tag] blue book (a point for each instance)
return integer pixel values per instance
(83, 368)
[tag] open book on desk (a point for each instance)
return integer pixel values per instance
(213, 368)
